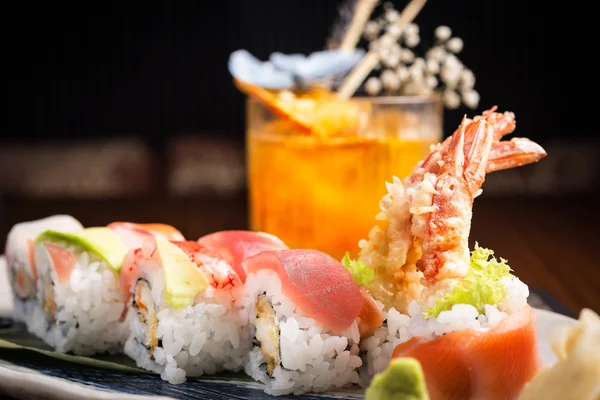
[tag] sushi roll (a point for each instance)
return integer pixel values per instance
(487, 300)
(461, 314)
(79, 291)
(183, 315)
(21, 266)
(275, 279)
(304, 312)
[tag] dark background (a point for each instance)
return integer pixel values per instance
(151, 69)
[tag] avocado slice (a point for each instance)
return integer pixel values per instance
(403, 379)
(100, 240)
(183, 279)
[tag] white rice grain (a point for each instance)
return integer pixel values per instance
(88, 306)
(202, 338)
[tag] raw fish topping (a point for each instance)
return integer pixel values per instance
(189, 269)
(63, 261)
(318, 284)
(235, 246)
(133, 234)
(467, 364)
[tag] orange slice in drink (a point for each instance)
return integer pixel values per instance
(316, 110)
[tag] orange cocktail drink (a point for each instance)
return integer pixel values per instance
(321, 190)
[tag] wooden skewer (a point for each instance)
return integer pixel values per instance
(358, 75)
(371, 59)
(363, 11)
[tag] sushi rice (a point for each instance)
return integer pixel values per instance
(226, 330)
(22, 274)
(29, 312)
(203, 338)
(84, 314)
(398, 328)
(311, 357)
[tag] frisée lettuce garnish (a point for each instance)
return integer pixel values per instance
(361, 274)
(482, 285)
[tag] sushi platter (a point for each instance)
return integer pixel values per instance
(33, 370)
(70, 380)
(239, 314)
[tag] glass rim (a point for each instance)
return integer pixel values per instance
(417, 99)
(379, 100)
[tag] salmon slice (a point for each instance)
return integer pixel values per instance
(62, 260)
(319, 285)
(371, 316)
(235, 246)
(133, 234)
(468, 364)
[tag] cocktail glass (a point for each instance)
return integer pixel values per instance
(323, 191)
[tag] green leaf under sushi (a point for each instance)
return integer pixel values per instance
(362, 274)
(482, 285)
(18, 339)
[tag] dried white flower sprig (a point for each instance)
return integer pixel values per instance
(371, 60)
(404, 73)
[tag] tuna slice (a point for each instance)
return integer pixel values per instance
(236, 246)
(318, 284)
(371, 316)
(468, 364)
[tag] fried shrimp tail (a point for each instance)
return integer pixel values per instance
(514, 153)
(421, 239)
(445, 244)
